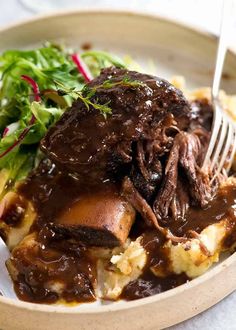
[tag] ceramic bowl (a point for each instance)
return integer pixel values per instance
(167, 49)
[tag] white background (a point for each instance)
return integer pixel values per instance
(200, 13)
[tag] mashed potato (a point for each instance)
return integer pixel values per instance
(124, 266)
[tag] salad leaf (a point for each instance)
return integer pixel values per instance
(97, 60)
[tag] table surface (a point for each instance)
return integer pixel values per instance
(200, 13)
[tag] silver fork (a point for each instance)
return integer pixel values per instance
(222, 145)
(6, 285)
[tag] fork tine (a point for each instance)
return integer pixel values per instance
(219, 127)
(220, 141)
(233, 152)
(227, 147)
(216, 127)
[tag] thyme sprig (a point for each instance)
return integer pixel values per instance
(75, 94)
(126, 82)
(109, 83)
(88, 92)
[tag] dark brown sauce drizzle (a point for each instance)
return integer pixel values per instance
(221, 206)
(51, 192)
(149, 284)
(54, 261)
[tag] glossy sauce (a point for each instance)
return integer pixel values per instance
(51, 193)
(54, 269)
(221, 206)
(62, 259)
(149, 284)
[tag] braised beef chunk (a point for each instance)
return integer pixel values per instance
(95, 215)
(101, 218)
(153, 136)
(85, 142)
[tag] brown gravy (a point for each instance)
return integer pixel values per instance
(51, 193)
(148, 284)
(54, 263)
(221, 206)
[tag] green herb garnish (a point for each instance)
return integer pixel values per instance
(97, 60)
(88, 92)
(126, 81)
(85, 98)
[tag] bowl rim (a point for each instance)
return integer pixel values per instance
(228, 262)
(95, 10)
(63, 309)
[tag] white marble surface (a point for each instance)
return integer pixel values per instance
(200, 13)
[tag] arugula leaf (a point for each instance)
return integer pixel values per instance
(45, 116)
(97, 60)
(22, 165)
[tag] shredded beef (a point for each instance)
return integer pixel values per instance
(183, 160)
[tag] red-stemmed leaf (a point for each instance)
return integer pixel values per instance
(21, 137)
(82, 68)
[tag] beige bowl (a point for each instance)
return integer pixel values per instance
(174, 50)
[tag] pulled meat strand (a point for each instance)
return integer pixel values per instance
(168, 188)
(139, 203)
(182, 161)
(199, 182)
(180, 203)
(124, 152)
(141, 160)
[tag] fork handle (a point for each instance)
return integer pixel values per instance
(222, 46)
